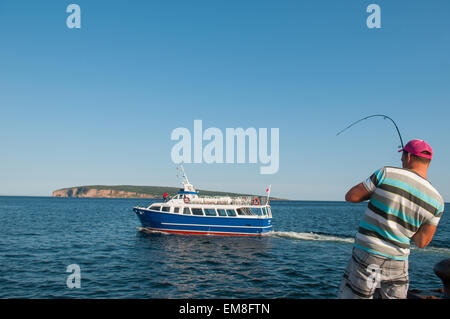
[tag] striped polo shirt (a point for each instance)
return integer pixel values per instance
(401, 201)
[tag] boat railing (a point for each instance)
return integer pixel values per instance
(225, 200)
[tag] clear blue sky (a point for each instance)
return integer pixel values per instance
(98, 105)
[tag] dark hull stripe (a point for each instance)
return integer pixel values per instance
(372, 233)
(391, 217)
(410, 197)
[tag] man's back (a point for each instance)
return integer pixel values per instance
(401, 202)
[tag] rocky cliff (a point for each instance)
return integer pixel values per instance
(100, 193)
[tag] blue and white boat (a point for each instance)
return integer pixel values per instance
(188, 213)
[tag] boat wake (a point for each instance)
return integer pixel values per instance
(149, 231)
(310, 236)
(433, 250)
(334, 238)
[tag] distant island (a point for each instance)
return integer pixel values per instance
(129, 191)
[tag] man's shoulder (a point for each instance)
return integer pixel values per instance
(387, 171)
(394, 169)
(439, 197)
(414, 178)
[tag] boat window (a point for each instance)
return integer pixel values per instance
(231, 212)
(264, 210)
(187, 211)
(210, 211)
(197, 211)
(176, 210)
(166, 209)
(244, 211)
(256, 211)
(158, 208)
(222, 212)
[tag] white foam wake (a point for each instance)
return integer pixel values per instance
(434, 250)
(310, 236)
(321, 237)
(150, 231)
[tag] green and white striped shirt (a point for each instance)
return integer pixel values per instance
(400, 203)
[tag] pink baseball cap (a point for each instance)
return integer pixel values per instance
(416, 147)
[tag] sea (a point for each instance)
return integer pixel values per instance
(41, 238)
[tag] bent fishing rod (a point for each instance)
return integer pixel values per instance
(375, 115)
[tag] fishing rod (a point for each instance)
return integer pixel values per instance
(376, 115)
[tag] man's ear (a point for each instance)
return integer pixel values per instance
(408, 158)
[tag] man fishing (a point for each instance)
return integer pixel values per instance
(403, 205)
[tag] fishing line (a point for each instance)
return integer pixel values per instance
(376, 115)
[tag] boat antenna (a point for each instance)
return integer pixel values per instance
(375, 115)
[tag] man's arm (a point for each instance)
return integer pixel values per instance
(357, 194)
(424, 235)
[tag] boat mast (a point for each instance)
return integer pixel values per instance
(182, 176)
(188, 187)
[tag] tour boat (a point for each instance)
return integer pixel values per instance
(189, 213)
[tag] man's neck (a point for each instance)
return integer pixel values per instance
(422, 171)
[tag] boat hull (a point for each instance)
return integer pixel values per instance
(202, 225)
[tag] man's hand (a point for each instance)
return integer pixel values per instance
(357, 194)
(424, 235)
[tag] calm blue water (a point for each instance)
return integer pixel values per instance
(304, 258)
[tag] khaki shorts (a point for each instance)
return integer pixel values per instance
(368, 276)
